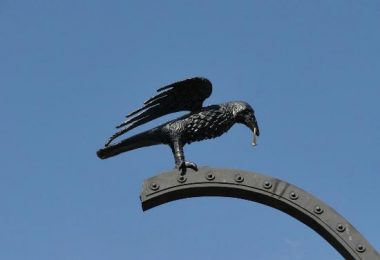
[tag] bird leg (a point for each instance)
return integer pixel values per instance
(179, 157)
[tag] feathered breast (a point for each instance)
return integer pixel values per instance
(206, 124)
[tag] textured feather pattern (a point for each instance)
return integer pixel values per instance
(211, 122)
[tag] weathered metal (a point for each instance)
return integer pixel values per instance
(263, 189)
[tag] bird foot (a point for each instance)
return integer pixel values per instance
(184, 165)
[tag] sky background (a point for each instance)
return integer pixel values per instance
(71, 70)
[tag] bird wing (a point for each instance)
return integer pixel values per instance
(186, 95)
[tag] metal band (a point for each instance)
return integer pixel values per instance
(263, 189)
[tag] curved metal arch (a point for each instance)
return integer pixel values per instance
(270, 191)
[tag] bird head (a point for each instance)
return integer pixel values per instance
(244, 114)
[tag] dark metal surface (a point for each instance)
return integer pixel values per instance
(200, 124)
(263, 189)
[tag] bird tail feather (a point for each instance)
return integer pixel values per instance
(144, 139)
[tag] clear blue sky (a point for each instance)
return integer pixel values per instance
(71, 70)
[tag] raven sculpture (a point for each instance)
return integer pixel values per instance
(200, 124)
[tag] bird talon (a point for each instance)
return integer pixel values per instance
(184, 165)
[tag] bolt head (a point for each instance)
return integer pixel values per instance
(154, 186)
(340, 227)
(293, 195)
(318, 210)
(181, 179)
(267, 185)
(360, 248)
(239, 178)
(210, 176)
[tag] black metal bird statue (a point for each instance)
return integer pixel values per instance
(200, 124)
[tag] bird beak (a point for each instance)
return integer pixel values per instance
(252, 124)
